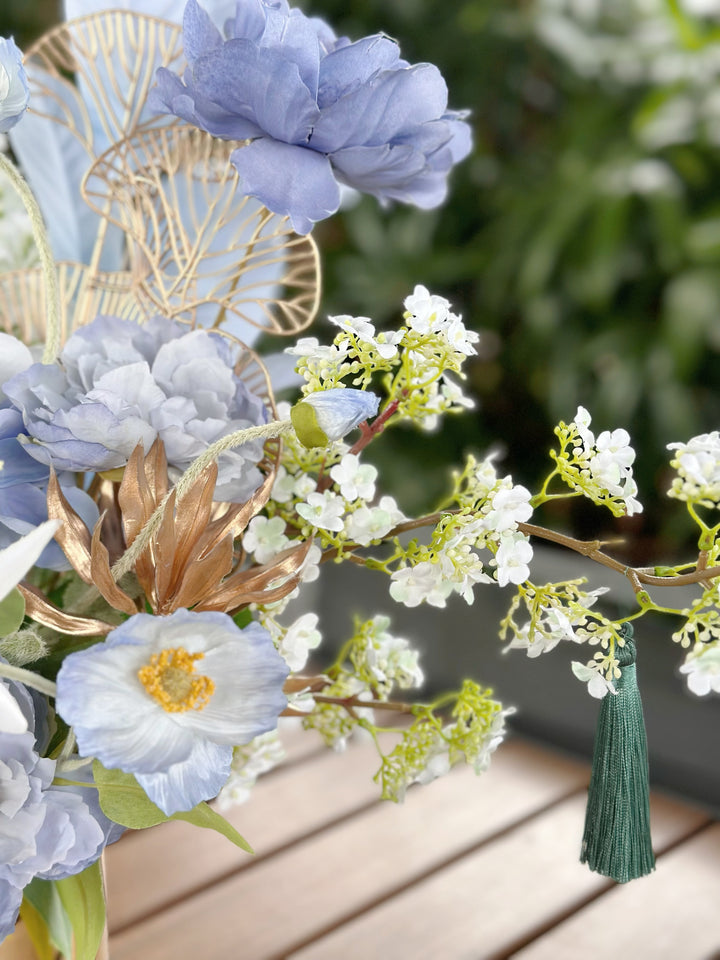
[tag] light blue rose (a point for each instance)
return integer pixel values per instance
(119, 383)
(318, 110)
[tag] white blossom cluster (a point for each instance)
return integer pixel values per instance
(698, 466)
(348, 510)
(599, 467)
(250, 762)
(702, 668)
(294, 642)
(492, 507)
(384, 660)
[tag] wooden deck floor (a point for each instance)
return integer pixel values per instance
(470, 868)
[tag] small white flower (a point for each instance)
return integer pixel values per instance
(362, 327)
(698, 465)
(702, 668)
(459, 337)
(512, 559)
(310, 570)
(249, 762)
(323, 510)
(373, 523)
(299, 638)
(355, 480)
(424, 582)
(597, 685)
(283, 488)
(265, 538)
(508, 507)
(426, 312)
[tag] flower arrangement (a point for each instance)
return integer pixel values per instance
(160, 511)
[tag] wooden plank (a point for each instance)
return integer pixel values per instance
(264, 912)
(671, 914)
(486, 902)
(286, 805)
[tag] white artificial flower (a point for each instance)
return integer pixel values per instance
(299, 638)
(459, 337)
(355, 479)
(508, 507)
(391, 659)
(265, 538)
(698, 465)
(553, 625)
(426, 312)
(323, 510)
(702, 668)
(361, 327)
(608, 460)
(310, 569)
(373, 523)
(597, 685)
(283, 489)
(424, 582)
(512, 559)
(249, 762)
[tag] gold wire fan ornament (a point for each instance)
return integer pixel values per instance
(191, 245)
(196, 241)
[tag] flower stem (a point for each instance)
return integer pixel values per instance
(28, 678)
(52, 289)
(266, 431)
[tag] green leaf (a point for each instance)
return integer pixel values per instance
(12, 612)
(243, 618)
(37, 931)
(204, 816)
(83, 897)
(41, 898)
(123, 800)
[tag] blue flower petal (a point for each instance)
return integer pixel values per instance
(184, 785)
(393, 104)
(347, 68)
(200, 35)
(289, 180)
(260, 85)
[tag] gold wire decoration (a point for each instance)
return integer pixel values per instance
(82, 292)
(94, 73)
(201, 249)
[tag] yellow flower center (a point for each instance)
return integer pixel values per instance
(171, 679)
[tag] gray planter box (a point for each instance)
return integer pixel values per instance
(462, 641)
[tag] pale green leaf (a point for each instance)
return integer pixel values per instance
(37, 931)
(83, 897)
(204, 816)
(123, 800)
(43, 897)
(12, 612)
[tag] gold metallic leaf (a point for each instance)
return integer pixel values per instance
(260, 584)
(199, 246)
(39, 608)
(102, 578)
(73, 536)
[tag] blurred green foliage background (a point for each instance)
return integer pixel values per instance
(582, 237)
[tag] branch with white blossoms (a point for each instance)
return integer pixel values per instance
(598, 468)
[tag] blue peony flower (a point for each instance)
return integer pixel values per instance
(45, 831)
(119, 383)
(318, 110)
(23, 480)
(14, 92)
(327, 415)
(167, 699)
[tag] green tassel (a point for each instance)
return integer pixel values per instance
(616, 841)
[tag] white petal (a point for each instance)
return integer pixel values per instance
(16, 560)
(11, 716)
